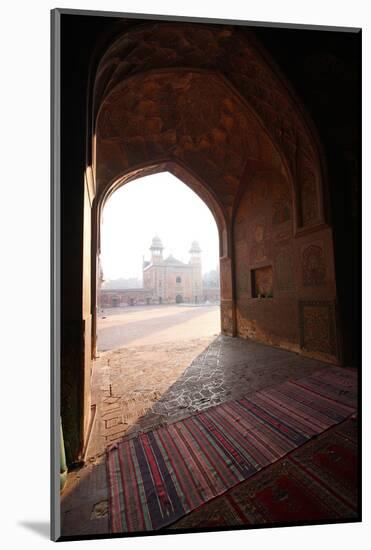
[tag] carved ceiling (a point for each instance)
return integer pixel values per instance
(203, 95)
(190, 116)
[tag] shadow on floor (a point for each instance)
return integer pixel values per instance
(41, 528)
(229, 368)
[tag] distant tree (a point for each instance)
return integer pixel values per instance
(211, 279)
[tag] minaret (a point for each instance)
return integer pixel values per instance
(195, 252)
(156, 249)
(195, 261)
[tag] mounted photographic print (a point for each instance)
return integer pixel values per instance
(206, 274)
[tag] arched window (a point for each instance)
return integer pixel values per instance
(178, 279)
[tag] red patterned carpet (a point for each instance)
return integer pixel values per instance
(317, 482)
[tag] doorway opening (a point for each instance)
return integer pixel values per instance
(159, 246)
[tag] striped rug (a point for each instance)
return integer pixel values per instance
(159, 476)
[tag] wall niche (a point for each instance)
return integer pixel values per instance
(262, 282)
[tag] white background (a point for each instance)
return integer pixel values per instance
(24, 298)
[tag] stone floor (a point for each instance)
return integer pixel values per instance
(131, 387)
(225, 368)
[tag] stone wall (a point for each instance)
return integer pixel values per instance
(125, 297)
(285, 285)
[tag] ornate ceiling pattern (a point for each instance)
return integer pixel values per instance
(204, 95)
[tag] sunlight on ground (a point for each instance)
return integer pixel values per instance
(127, 382)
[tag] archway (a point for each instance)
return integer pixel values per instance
(206, 103)
(171, 268)
(143, 353)
(217, 113)
(219, 212)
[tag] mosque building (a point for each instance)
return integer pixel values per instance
(165, 280)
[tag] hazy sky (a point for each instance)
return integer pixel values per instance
(158, 204)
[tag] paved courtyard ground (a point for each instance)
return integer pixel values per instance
(145, 325)
(149, 349)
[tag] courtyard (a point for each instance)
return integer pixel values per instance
(144, 325)
(148, 350)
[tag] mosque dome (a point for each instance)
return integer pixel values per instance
(195, 248)
(156, 243)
